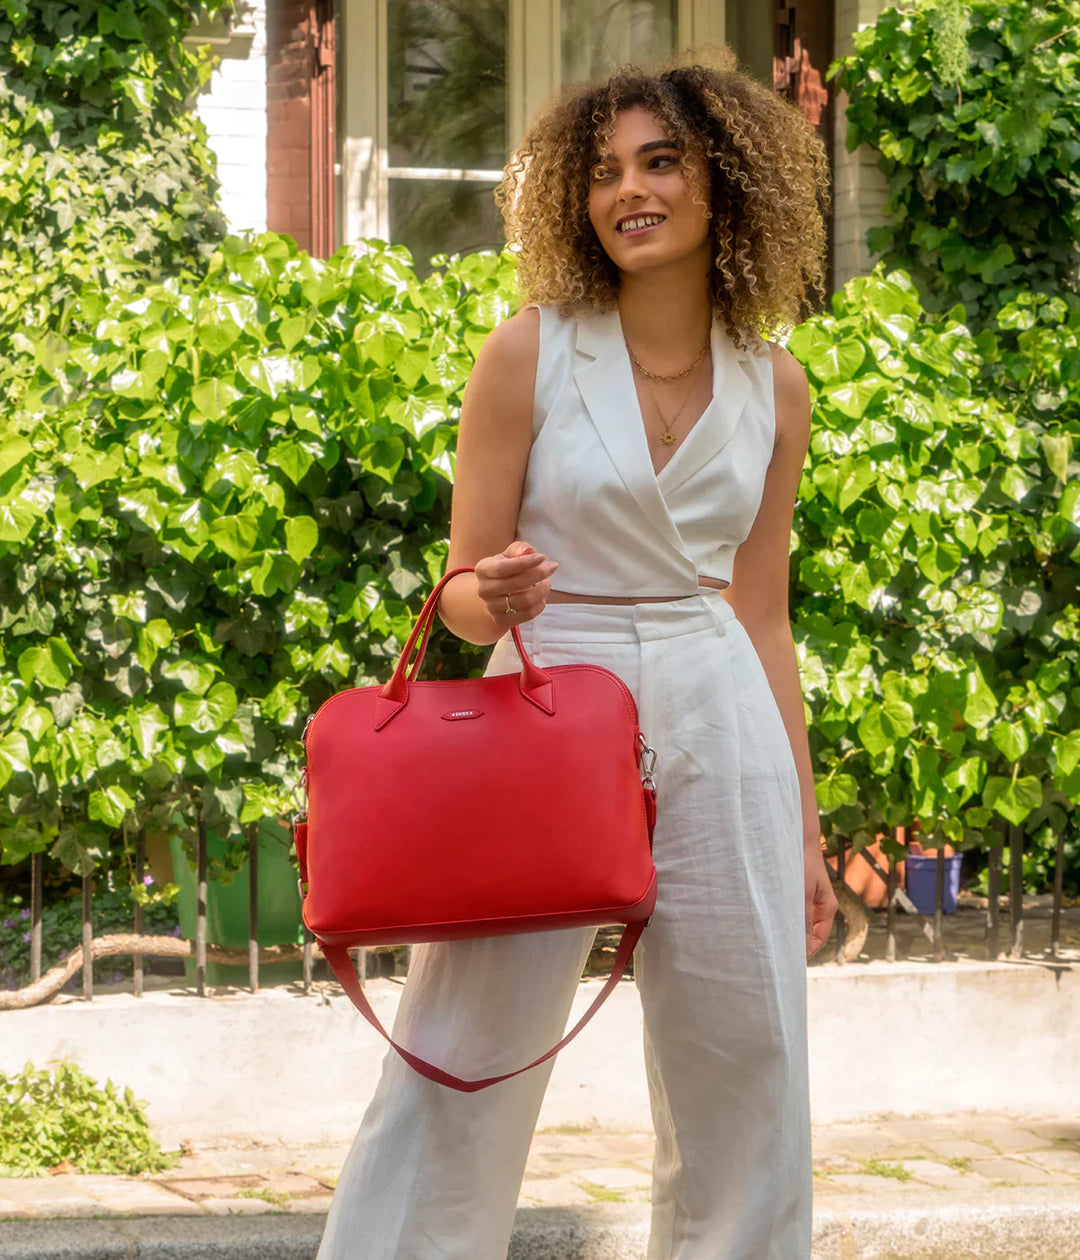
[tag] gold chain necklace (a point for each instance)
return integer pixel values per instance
(668, 437)
(659, 376)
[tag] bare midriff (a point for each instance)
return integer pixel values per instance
(565, 597)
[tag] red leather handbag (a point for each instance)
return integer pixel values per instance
(420, 828)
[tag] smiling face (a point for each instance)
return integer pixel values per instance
(641, 204)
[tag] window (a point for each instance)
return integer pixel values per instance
(436, 92)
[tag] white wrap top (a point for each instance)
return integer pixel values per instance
(591, 498)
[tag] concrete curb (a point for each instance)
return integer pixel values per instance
(1028, 1224)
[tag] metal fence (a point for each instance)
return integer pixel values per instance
(933, 927)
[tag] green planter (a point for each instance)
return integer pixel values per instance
(227, 907)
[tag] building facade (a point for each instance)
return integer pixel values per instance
(335, 120)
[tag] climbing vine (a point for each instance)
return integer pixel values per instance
(973, 108)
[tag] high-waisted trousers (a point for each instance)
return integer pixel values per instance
(721, 970)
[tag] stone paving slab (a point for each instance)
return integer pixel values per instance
(586, 1195)
(1041, 1225)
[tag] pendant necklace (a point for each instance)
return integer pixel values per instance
(668, 437)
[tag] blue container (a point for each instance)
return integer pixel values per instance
(920, 880)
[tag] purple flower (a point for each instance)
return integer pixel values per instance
(9, 923)
(175, 931)
(24, 914)
(26, 936)
(148, 880)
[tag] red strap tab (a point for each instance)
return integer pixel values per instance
(338, 958)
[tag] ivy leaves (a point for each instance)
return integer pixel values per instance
(210, 550)
(975, 113)
(936, 564)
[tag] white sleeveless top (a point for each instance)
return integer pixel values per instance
(591, 499)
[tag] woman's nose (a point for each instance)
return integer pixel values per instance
(630, 186)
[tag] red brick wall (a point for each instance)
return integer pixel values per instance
(289, 58)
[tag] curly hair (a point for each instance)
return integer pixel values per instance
(767, 193)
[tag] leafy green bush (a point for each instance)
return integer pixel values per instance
(935, 579)
(220, 501)
(105, 175)
(981, 145)
(61, 927)
(47, 1117)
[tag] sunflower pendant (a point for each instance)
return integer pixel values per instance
(668, 439)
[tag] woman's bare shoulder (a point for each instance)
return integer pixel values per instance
(514, 345)
(791, 392)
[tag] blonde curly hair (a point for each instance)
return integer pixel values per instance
(767, 193)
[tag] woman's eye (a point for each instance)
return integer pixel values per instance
(661, 163)
(601, 172)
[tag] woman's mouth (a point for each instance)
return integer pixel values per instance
(635, 225)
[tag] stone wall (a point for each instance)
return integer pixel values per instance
(858, 185)
(233, 109)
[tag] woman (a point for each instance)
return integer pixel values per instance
(629, 453)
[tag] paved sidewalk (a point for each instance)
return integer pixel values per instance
(973, 1186)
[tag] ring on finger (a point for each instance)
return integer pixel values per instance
(510, 609)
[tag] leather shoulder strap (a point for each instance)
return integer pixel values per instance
(338, 958)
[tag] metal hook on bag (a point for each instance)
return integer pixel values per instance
(647, 759)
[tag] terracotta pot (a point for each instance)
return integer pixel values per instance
(863, 880)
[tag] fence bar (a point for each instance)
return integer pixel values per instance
(1016, 890)
(939, 904)
(140, 867)
(841, 922)
(1059, 892)
(890, 893)
(993, 902)
(361, 964)
(37, 865)
(87, 938)
(308, 960)
(200, 909)
(253, 907)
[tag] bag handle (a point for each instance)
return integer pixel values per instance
(338, 958)
(535, 685)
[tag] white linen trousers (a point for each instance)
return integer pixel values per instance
(721, 969)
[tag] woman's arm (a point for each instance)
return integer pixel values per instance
(494, 440)
(759, 595)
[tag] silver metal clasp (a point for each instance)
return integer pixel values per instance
(647, 759)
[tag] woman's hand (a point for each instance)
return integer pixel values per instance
(820, 898)
(515, 585)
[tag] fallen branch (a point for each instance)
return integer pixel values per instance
(853, 909)
(50, 984)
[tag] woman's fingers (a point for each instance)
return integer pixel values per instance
(516, 583)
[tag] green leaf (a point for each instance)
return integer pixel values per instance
(1057, 450)
(980, 705)
(883, 724)
(835, 791)
(195, 676)
(234, 535)
(208, 713)
(1013, 800)
(1010, 738)
(110, 806)
(853, 399)
(50, 664)
(1067, 752)
(1016, 484)
(293, 458)
(14, 450)
(212, 398)
(146, 723)
(939, 560)
(301, 537)
(14, 755)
